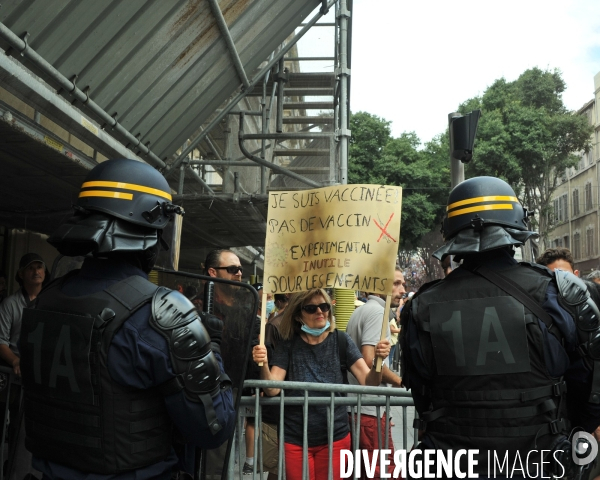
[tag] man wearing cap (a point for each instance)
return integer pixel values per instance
(31, 276)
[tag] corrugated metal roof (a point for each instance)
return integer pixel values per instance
(161, 66)
(40, 174)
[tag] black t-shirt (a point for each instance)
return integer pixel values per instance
(318, 364)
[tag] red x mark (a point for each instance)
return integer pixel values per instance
(384, 229)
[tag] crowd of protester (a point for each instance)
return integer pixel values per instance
(301, 343)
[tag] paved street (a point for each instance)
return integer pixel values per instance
(398, 429)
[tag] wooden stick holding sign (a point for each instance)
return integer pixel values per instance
(384, 328)
(263, 320)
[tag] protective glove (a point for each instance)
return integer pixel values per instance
(214, 327)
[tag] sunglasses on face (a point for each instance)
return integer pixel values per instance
(324, 307)
(233, 269)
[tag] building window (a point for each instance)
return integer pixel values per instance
(576, 245)
(566, 241)
(588, 197)
(590, 249)
(575, 202)
(561, 209)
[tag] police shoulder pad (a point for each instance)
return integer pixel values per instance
(171, 309)
(571, 288)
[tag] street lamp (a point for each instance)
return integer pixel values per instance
(463, 129)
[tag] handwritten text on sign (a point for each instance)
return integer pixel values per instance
(345, 236)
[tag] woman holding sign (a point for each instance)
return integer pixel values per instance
(309, 352)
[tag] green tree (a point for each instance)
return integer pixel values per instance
(377, 158)
(370, 135)
(527, 136)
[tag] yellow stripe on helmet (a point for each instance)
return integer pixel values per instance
(129, 186)
(493, 206)
(493, 198)
(107, 194)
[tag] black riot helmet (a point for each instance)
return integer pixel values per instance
(122, 208)
(481, 202)
(130, 190)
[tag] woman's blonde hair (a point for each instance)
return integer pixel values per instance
(292, 315)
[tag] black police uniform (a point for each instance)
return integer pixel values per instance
(113, 366)
(484, 372)
(487, 372)
(126, 375)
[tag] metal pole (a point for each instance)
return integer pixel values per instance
(195, 175)
(227, 185)
(263, 170)
(343, 74)
(67, 85)
(280, 86)
(102, 141)
(225, 163)
(264, 174)
(272, 166)
(457, 168)
(181, 177)
(220, 196)
(237, 63)
(285, 136)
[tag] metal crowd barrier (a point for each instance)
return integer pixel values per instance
(386, 398)
(11, 379)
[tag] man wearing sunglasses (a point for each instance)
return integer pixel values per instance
(225, 264)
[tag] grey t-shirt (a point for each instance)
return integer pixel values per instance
(364, 327)
(318, 364)
(11, 312)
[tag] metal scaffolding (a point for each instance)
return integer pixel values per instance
(315, 159)
(177, 96)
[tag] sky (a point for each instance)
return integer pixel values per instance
(414, 62)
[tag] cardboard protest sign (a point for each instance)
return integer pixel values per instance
(345, 236)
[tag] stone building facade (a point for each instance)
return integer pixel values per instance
(576, 200)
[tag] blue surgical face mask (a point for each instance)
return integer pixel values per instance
(270, 307)
(315, 332)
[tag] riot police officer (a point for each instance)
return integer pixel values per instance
(113, 366)
(488, 351)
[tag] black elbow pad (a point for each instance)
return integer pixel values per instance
(196, 367)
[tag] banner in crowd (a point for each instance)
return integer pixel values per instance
(345, 236)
